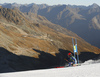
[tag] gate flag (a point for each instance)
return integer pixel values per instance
(75, 48)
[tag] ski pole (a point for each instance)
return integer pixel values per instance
(73, 46)
(77, 51)
(67, 60)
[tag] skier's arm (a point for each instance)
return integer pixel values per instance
(73, 59)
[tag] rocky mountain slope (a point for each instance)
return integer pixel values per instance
(19, 24)
(33, 41)
(82, 20)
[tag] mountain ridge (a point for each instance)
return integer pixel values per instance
(73, 17)
(29, 41)
(34, 30)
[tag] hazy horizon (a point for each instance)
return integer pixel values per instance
(53, 2)
(47, 4)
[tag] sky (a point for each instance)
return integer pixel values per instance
(54, 2)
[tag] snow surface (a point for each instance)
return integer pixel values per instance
(91, 70)
(90, 62)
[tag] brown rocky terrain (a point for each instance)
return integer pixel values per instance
(82, 20)
(30, 35)
(35, 37)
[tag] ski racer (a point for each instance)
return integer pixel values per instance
(72, 60)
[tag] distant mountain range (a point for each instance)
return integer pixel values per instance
(83, 20)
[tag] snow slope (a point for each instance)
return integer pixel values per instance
(91, 70)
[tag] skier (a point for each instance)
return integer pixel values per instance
(72, 60)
